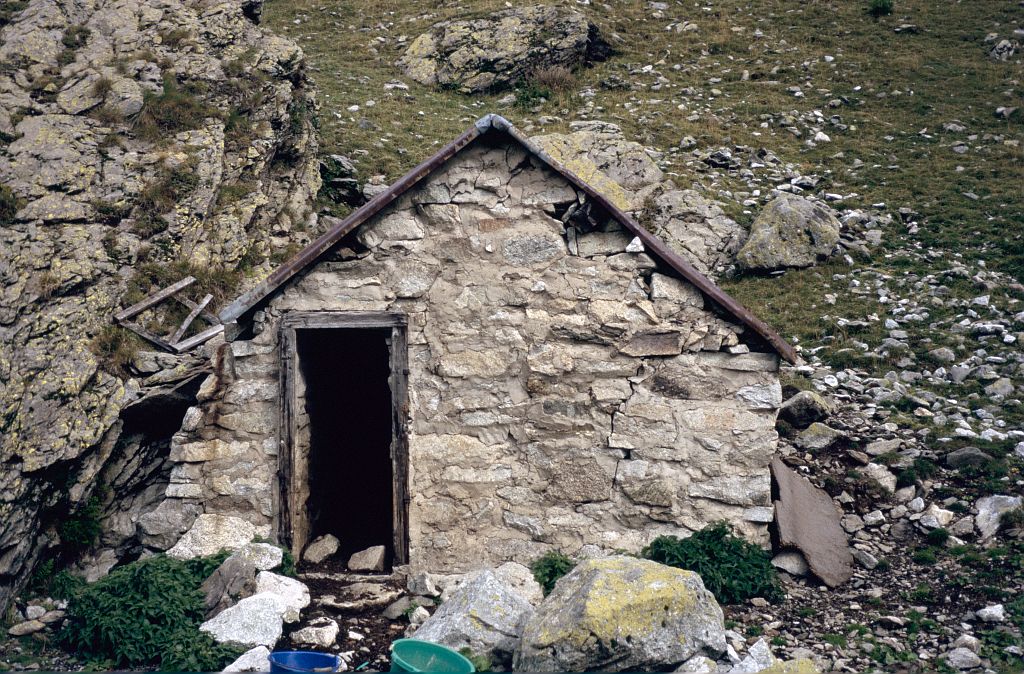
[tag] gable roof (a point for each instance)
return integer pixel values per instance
(309, 255)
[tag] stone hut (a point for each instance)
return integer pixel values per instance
(487, 361)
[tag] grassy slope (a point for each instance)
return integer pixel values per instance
(900, 89)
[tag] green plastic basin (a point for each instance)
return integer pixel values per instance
(412, 655)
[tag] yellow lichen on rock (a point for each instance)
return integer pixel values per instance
(799, 666)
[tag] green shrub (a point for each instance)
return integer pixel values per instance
(147, 614)
(82, 527)
(879, 8)
(937, 537)
(74, 39)
(175, 109)
(9, 205)
(549, 568)
(530, 95)
(1012, 519)
(161, 196)
(481, 663)
(731, 568)
(925, 556)
(114, 348)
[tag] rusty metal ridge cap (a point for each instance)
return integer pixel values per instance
(657, 246)
(308, 255)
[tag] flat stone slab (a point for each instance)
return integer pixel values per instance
(808, 520)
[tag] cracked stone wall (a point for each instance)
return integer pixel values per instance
(564, 393)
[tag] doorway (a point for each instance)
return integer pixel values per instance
(344, 459)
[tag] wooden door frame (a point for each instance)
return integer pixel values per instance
(398, 357)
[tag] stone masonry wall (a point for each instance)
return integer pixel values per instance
(563, 393)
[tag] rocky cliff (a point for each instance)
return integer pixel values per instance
(139, 142)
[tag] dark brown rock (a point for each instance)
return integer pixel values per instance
(232, 580)
(808, 521)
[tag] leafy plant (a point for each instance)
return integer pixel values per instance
(549, 568)
(937, 537)
(925, 556)
(81, 528)
(530, 95)
(147, 614)
(731, 568)
(879, 8)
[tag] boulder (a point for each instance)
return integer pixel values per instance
(25, 628)
(212, 533)
(497, 51)
(967, 456)
(991, 509)
(370, 559)
(790, 231)
(809, 521)
(805, 408)
(320, 549)
(227, 584)
(521, 579)
(264, 556)
(621, 613)
(817, 437)
(254, 660)
(254, 621)
(483, 614)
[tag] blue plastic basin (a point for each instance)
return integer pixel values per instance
(303, 661)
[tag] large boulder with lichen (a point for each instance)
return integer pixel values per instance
(621, 614)
(790, 231)
(497, 51)
(137, 144)
(627, 174)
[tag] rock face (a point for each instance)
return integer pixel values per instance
(620, 614)
(84, 173)
(790, 231)
(991, 509)
(483, 614)
(808, 521)
(212, 533)
(498, 51)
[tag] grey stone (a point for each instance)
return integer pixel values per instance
(483, 614)
(967, 456)
(292, 592)
(817, 437)
(25, 628)
(792, 562)
(995, 613)
(808, 520)
(264, 556)
(521, 580)
(789, 232)
(882, 475)
(865, 559)
(621, 614)
(321, 548)
(370, 559)
(962, 658)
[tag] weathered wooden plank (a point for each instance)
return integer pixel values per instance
(146, 335)
(206, 315)
(196, 310)
(196, 340)
(343, 319)
(155, 298)
(399, 381)
(286, 438)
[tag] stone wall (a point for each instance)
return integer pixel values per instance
(564, 393)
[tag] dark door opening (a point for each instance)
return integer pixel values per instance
(349, 404)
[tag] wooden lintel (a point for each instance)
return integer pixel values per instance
(196, 310)
(196, 340)
(155, 298)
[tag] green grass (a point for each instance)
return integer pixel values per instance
(897, 92)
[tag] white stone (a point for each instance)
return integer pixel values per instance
(253, 621)
(212, 533)
(370, 559)
(35, 612)
(323, 633)
(962, 658)
(321, 548)
(264, 556)
(521, 579)
(253, 660)
(292, 592)
(992, 614)
(935, 517)
(882, 476)
(792, 562)
(991, 509)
